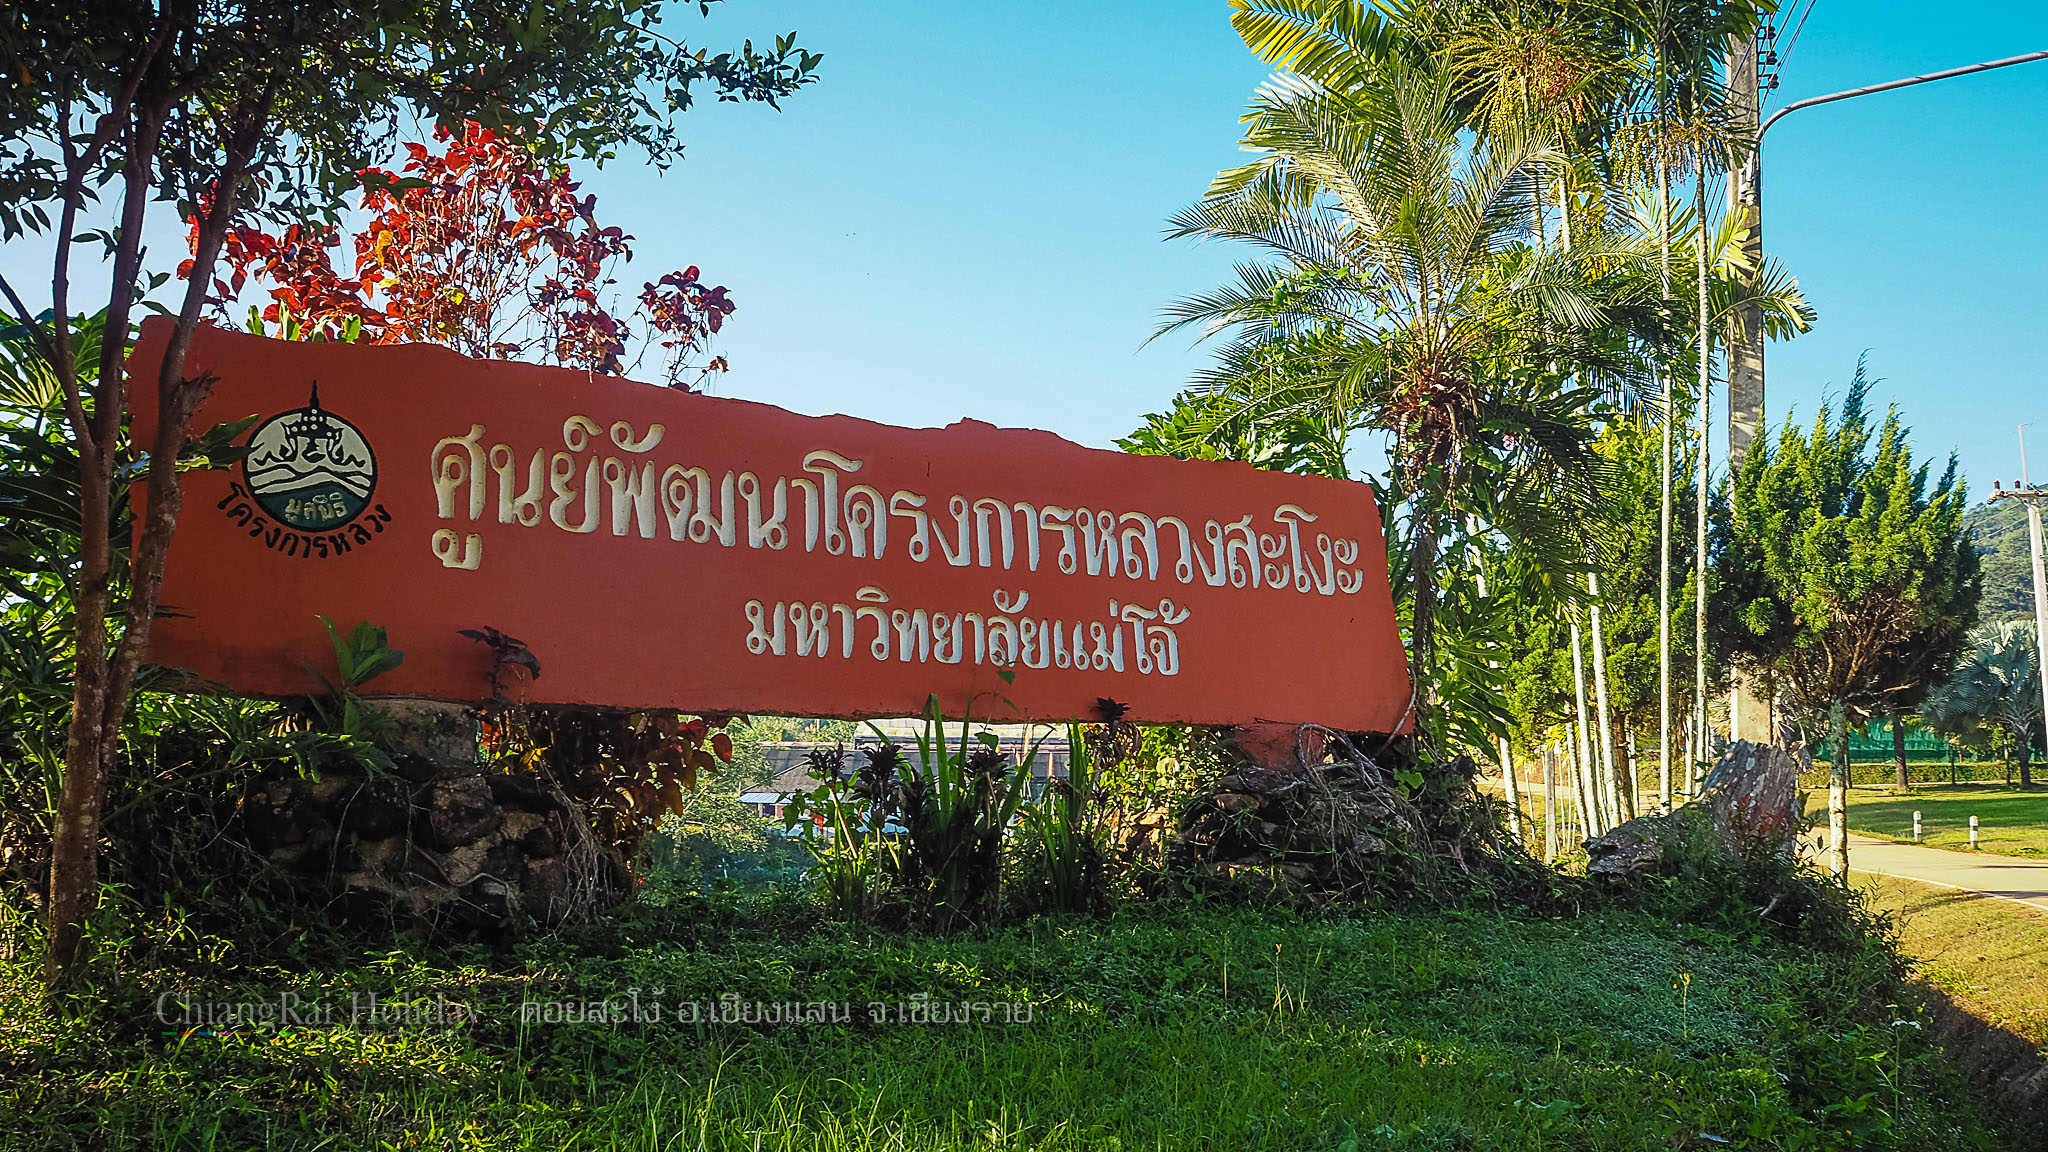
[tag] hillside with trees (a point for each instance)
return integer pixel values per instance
(2000, 534)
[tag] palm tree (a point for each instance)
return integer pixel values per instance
(1553, 68)
(1406, 297)
(1678, 126)
(1997, 683)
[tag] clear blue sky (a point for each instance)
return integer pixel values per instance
(965, 216)
(1913, 220)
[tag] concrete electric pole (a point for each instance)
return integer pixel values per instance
(1749, 710)
(1745, 202)
(2032, 497)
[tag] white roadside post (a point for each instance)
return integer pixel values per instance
(1916, 825)
(1973, 831)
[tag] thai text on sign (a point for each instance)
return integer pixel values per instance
(661, 549)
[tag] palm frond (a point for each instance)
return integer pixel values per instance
(1336, 43)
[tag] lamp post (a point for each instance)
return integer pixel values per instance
(1749, 715)
(1745, 192)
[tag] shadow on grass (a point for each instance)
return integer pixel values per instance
(2008, 1069)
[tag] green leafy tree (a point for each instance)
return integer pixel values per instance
(1204, 426)
(233, 112)
(749, 769)
(1542, 671)
(1844, 580)
(706, 836)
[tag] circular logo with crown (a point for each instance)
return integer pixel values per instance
(310, 469)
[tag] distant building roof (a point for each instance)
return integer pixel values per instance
(789, 760)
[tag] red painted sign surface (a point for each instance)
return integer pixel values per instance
(658, 549)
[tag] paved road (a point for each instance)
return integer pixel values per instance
(2013, 878)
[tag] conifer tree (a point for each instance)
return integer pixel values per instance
(1844, 580)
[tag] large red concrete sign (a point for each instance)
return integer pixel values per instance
(658, 549)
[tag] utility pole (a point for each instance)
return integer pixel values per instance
(2027, 494)
(1748, 715)
(1745, 203)
(1749, 712)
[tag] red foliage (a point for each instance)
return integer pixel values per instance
(481, 247)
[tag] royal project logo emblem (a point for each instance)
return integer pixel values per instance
(307, 484)
(310, 469)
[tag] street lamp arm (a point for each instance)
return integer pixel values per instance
(1889, 85)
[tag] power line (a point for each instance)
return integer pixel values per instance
(1770, 60)
(1796, 30)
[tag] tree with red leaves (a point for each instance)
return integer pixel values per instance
(482, 247)
(261, 110)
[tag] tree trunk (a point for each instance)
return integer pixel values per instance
(1618, 774)
(1838, 798)
(1610, 797)
(1635, 780)
(1507, 780)
(74, 840)
(1550, 803)
(1664, 507)
(104, 678)
(2026, 757)
(1751, 796)
(1685, 760)
(1904, 781)
(1664, 603)
(1582, 750)
(74, 843)
(1587, 792)
(1696, 763)
(1422, 616)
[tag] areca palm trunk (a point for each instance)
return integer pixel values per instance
(1507, 760)
(1664, 512)
(1422, 601)
(1605, 774)
(1514, 794)
(1550, 803)
(1635, 778)
(1582, 776)
(1700, 728)
(1609, 794)
(1583, 750)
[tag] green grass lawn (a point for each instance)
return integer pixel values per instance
(1990, 954)
(2009, 821)
(1184, 1026)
